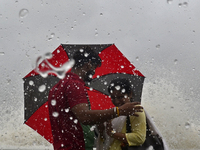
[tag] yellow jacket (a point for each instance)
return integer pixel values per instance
(138, 134)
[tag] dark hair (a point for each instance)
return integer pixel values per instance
(121, 84)
(86, 55)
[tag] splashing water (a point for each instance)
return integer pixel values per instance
(59, 71)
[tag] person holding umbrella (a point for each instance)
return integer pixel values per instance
(124, 131)
(69, 108)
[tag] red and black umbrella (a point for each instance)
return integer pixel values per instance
(36, 88)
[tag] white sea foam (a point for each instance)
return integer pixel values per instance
(167, 106)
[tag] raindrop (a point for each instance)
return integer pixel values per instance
(31, 82)
(117, 87)
(42, 88)
(169, 1)
(193, 69)
(175, 61)
(105, 83)
(185, 4)
(158, 46)
(123, 90)
(92, 128)
(86, 54)
(55, 114)
(43, 64)
(81, 50)
(83, 13)
(67, 110)
(137, 58)
(45, 119)
(75, 121)
(91, 89)
(122, 66)
(48, 55)
(49, 39)
(90, 76)
(2, 53)
(180, 5)
(101, 14)
(35, 99)
(23, 13)
(52, 35)
(70, 118)
(187, 125)
(53, 102)
(96, 32)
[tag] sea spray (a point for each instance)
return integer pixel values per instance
(165, 103)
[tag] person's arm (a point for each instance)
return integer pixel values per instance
(138, 134)
(90, 117)
(119, 136)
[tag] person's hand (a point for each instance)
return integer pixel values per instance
(130, 109)
(109, 128)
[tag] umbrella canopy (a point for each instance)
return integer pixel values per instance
(36, 88)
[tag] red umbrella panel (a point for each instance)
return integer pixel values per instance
(36, 88)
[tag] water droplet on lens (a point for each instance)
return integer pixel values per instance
(52, 35)
(23, 13)
(67, 110)
(158, 46)
(53, 102)
(90, 76)
(42, 88)
(187, 125)
(86, 54)
(123, 90)
(175, 61)
(2, 53)
(117, 87)
(48, 55)
(185, 4)
(31, 82)
(55, 114)
(75, 121)
(35, 99)
(169, 1)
